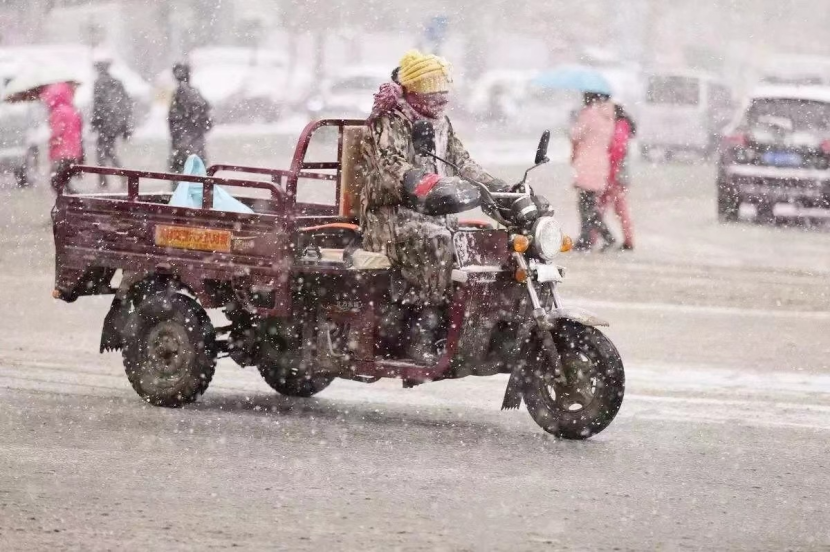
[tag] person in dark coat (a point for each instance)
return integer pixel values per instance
(189, 120)
(112, 115)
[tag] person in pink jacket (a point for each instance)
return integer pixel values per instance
(616, 194)
(591, 137)
(66, 132)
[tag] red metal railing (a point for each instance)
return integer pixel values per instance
(299, 166)
(208, 182)
(283, 183)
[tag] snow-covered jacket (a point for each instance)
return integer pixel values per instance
(619, 149)
(65, 124)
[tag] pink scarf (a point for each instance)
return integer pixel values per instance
(415, 106)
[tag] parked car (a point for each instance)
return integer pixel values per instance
(23, 128)
(778, 151)
(18, 123)
(348, 94)
(799, 70)
(684, 112)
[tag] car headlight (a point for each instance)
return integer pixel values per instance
(548, 239)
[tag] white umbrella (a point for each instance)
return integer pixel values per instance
(28, 84)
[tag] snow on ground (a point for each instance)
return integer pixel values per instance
(722, 328)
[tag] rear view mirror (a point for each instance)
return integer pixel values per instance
(423, 136)
(542, 150)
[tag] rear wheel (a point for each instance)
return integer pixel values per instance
(169, 350)
(284, 366)
(26, 174)
(587, 396)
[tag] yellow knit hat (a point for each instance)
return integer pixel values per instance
(424, 73)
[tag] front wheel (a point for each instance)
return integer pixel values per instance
(586, 397)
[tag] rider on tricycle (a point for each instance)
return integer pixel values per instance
(311, 296)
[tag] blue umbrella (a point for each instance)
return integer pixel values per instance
(574, 77)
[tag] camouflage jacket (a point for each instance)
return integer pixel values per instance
(388, 154)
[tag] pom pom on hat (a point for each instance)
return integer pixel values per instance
(424, 73)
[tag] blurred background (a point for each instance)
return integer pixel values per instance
(265, 60)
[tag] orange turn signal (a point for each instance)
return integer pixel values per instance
(56, 294)
(520, 243)
(521, 275)
(567, 243)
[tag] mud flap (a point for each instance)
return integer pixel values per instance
(114, 324)
(515, 386)
(513, 393)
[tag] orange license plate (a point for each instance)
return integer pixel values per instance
(200, 239)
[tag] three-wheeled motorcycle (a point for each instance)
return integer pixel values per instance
(306, 304)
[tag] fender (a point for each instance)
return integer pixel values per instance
(133, 287)
(577, 314)
(513, 392)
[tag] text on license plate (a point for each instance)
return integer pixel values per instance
(201, 239)
(772, 192)
(782, 159)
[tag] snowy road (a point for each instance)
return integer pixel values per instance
(723, 442)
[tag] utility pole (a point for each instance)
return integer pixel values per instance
(33, 15)
(652, 17)
(632, 31)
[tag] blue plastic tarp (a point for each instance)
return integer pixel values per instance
(189, 194)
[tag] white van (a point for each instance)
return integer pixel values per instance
(683, 111)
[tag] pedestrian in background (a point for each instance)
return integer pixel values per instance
(66, 133)
(189, 120)
(591, 136)
(616, 194)
(112, 115)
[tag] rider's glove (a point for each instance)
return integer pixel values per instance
(417, 183)
(457, 193)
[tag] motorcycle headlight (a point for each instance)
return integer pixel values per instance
(547, 238)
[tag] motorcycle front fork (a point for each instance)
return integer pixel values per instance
(540, 311)
(544, 324)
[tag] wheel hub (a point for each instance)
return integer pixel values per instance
(576, 388)
(169, 352)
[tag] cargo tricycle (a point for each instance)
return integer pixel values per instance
(306, 304)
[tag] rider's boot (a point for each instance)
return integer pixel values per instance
(424, 335)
